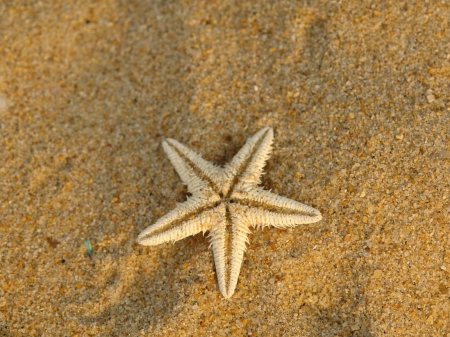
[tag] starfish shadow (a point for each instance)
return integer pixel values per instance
(347, 315)
(153, 294)
(343, 314)
(337, 322)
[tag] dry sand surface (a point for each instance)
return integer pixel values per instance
(358, 95)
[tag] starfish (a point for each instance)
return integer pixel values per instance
(227, 202)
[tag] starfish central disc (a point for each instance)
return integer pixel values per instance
(226, 202)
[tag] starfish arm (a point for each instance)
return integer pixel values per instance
(259, 197)
(228, 250)
(207, 169)
(239, 239)
(188, 176)
(200, 223)
(217, 238)
(182, 211)
(250, 178)
(260, 218)
(245, 152)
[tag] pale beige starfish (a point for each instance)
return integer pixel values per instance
(226, 202)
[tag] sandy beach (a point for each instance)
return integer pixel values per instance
(357, 93)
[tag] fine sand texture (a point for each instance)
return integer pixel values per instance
(357, 93)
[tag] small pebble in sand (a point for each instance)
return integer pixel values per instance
(3, 103)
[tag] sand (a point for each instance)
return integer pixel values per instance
(358, 95)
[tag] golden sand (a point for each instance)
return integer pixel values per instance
(358, 95)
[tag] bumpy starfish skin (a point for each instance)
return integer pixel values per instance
(227, 202)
